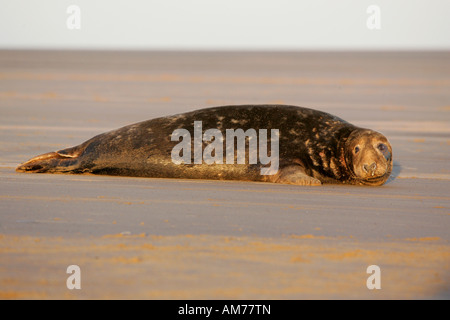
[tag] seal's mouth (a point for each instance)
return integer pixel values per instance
(374, 181)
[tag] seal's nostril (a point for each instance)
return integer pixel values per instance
(370, 168)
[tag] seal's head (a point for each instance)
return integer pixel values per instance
(368, 155)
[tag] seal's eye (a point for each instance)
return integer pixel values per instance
(356, 149)
(382, 147)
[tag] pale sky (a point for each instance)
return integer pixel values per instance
(226, 24)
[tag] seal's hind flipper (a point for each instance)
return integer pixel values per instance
(295, 175)
(60, 161)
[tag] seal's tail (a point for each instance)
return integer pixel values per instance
(60, 161)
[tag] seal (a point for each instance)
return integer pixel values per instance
(315, 147)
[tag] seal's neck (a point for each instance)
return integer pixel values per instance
(342, 154)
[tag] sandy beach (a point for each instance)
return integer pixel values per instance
(142, 238)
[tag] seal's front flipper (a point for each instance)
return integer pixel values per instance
(295, 175)
(60, 161)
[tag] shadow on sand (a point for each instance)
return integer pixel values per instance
(396, 169)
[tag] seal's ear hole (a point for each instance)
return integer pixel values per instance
(356, 150)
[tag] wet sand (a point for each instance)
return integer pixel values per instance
(166, 238)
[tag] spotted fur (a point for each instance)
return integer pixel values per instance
(315, 147)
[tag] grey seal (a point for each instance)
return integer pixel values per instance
(315, 147)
